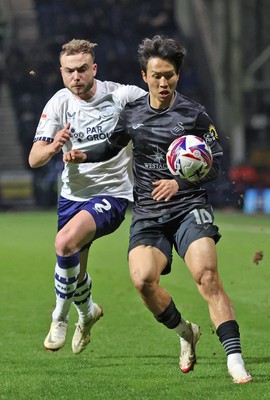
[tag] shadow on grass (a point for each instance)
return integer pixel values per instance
(258, 360)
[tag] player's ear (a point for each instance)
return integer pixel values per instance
(95, 67)
(144, 76)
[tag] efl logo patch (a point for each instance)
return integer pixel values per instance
(42, 121)
(213, 131)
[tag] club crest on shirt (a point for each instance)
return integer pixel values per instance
(179, 128)
(107, 112)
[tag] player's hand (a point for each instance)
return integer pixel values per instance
(61, 138)
(74, 156)
(165, 189)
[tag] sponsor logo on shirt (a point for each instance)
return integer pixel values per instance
(92, 134)
(71, 115)
(136, 126)
(159, 160)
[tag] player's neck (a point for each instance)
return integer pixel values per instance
(161, 105)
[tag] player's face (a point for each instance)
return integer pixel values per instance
(78, 73)
(162, 80)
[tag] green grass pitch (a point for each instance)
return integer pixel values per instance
(131, 356)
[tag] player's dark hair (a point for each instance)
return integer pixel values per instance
(76, 46)
(161, 47)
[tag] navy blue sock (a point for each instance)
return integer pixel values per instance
(229, 336)
(170, 317)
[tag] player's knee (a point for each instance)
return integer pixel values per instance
(144, 287)
(210, 282)
(63, 246)
(143, 284)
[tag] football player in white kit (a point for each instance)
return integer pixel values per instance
(94, 196)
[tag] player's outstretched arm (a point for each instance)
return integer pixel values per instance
(99, 152)
(43, 151)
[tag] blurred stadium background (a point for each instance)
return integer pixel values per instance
(227, 69)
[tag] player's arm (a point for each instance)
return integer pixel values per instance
(205, 128)
(214, 172)
(105, 150)
(101, 151)
(117, 140)
(212, 175)
(42, 151)
(98, 152)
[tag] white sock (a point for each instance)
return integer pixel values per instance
(82, 299)
(234, 360)
(66, 277)
(183, 330)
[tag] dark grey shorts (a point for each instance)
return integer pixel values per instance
(178, 230)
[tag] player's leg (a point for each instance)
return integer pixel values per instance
(201, 259)
(107, 213)
(91, 219)
(75, 234)
(82, 298)
(146, 265)
(88, 311)
(78, 231)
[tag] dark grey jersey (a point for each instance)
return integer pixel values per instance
(151, 132)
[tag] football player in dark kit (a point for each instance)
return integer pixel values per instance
(168, 211)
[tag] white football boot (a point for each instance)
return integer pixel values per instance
(81, 337)
(187, 349)
(240, 376)
(57, 335)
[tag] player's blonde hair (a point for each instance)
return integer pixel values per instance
(76, 46)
